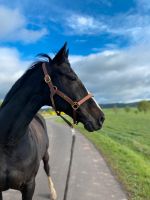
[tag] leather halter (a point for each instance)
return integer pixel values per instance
(55, 91)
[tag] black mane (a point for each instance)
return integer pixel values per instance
(19, 83)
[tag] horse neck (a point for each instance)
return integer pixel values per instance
(18, 112)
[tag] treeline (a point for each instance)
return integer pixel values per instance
(142, 106)
(119, 105)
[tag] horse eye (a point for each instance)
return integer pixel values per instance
(68, 73)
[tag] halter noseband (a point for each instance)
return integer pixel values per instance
(54, 90)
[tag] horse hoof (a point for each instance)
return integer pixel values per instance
(53, 193)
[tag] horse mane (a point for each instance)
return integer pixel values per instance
(19, 83)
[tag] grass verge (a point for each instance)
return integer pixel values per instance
(124, 142)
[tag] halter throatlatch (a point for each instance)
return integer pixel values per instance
(55, 91)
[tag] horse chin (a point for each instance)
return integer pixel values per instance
(90, 127)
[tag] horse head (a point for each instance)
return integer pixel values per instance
(67, 81)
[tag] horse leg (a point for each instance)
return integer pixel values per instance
(53, 193)
(1, 197)
(28, 190)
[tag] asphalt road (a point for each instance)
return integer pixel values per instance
(91, 179)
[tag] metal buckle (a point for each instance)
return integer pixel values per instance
(55, 88)
(75, 105)
(47, 78)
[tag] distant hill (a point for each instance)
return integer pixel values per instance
(119, 105)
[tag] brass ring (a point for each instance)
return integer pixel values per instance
(55, 88)
(47, 78)
(75, 105)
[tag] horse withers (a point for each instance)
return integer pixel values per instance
(23, 135)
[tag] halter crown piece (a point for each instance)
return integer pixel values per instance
(55, 91)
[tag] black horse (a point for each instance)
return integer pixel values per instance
(23, 135)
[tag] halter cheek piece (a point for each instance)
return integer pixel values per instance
(55, 91)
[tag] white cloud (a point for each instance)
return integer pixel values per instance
(29, 36)
(14, 27)
(143, 5)
(133, 25)
(88, 25)
(116, 75)
(10, 20)
(11, 68)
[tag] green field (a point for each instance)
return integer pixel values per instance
(124, 142)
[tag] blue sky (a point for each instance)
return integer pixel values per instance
(109, 42)
(79, 22)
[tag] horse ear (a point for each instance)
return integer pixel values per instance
(67, 53)
(62, 54)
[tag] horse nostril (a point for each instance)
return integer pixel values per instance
(101, 120)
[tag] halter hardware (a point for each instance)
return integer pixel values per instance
(75, 105)
(47, 78)
(55, 88)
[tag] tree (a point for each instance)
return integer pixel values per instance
(127, 109)
(143, 106)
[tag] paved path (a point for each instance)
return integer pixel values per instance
(91, 179)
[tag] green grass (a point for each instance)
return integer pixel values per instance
(124, 141)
